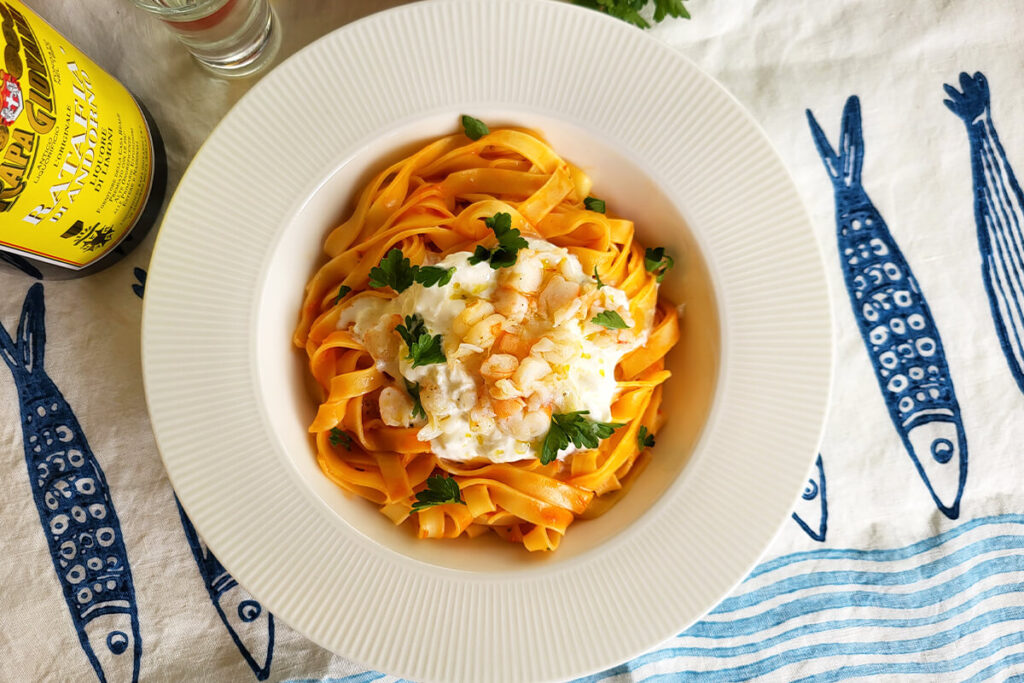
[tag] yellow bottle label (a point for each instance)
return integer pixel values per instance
(76, 157)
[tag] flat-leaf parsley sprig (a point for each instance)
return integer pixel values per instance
(424, 349)
(629, 10)
(510, 241)
(574, 428)
(610, 319)
(440, 490)
(398, 273)
(658, 262)
(643, 439)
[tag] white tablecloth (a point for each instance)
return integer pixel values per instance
(890, 569)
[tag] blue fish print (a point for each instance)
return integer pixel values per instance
(140, 276)
(999, 213)
(21, 263)
(896, 324)
(250, 626)
(816, 505)
(77, 514)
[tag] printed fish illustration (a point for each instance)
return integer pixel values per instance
(21, 263)
(999, 213)
(251, 627)
(896, 323)
(815, 507)
(140, 287)
(73, 500)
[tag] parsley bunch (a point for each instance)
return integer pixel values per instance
(424, 349)
(629, 10)
(573, 427)
(396, 271)
(440, 490)
(510, 241)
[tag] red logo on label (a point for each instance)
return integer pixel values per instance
(11, 100)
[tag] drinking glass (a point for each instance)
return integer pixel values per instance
(231, 38)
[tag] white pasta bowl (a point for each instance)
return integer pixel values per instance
(666, 147)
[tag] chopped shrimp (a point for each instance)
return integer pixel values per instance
(512, 343)
(504, 389)
(530, 371)
(433, 399)
(395, 407)
(559, 298)
(526, 276)
(553, 349)
(499, 366)
(506, 408)
(484, 332)
(511, 304)
(525, 426)
(470, 316)
(481, 417)
(381, 341)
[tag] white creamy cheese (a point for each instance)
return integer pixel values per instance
(544, 304)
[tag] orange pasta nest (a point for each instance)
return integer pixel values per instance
(432, 204)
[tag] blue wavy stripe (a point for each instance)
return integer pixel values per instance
(996, 667)
(817, 579)
(884, 555)
(883, 648)
(855, 598)
(719, 652)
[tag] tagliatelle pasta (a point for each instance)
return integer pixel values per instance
(433, 206)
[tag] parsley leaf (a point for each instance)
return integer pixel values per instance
(629, 10)
(440, 490)
(475, 128)
(394, 271)
(340, 438)
(643, 439)
(598, 278)
(658, 262)
(428, 276)
(423, 348)
(594, 204)
(510, 241)
(414, 391)
(342, 291)
(573, 427)
(609, 319)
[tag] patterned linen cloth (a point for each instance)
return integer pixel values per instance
(903, 560)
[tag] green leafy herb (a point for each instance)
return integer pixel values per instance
(440, 490)
(475, 128)
(394, 271)
(428, 276)
(414, 392)
(340, 438)
(643, 439)
(629, 10)
(573, 427)
(424, 349)
(510, 241)
(342, 291)
(598, 278)
(609, 319)
(658, 262)
(594, 204)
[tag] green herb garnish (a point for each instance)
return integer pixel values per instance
(395, 271)
(440, 490)
(658, 262)
(474, 128)
(643, 439)
(342, 291)
(609, 319)
(594, 204)
(629, 10)
(414, 392)
(428, 276)
(510, 241)
(424, 349)
(598, 278)
(339, 438)
(573, 427)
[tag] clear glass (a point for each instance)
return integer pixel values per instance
(232, 38)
